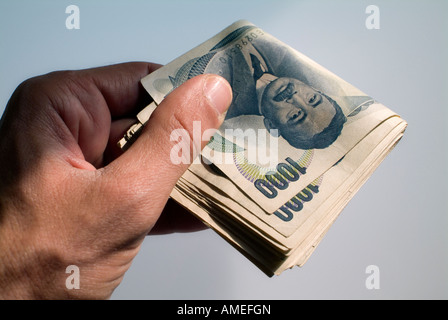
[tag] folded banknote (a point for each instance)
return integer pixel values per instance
(296, 144)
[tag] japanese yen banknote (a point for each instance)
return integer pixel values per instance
(295, 145)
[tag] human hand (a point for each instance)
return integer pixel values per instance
(67, 194)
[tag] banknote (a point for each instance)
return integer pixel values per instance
(294, 213)
(290, 119)
(296, 145)
(313, 210)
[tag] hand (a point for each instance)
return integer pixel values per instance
(69, 196)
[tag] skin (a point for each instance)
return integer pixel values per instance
(69, 196)
(295, 108)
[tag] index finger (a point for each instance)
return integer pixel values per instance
(120, 86)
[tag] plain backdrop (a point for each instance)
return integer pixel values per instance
(397, 221)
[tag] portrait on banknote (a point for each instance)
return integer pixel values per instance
(270, 81)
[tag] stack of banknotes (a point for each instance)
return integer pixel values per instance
(296, 145)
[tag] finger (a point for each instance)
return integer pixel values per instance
(148, 168)
(175, 218)
(117, 130)
(76, 107)
(120, 85)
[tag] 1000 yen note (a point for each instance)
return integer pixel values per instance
(290, 119)
(301, 228)
(292, 215)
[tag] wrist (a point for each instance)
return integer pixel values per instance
(26, 272)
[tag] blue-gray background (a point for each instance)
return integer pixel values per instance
(398, 221)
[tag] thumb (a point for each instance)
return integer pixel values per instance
(172, 138)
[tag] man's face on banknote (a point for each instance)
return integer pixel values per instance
(296, 109)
